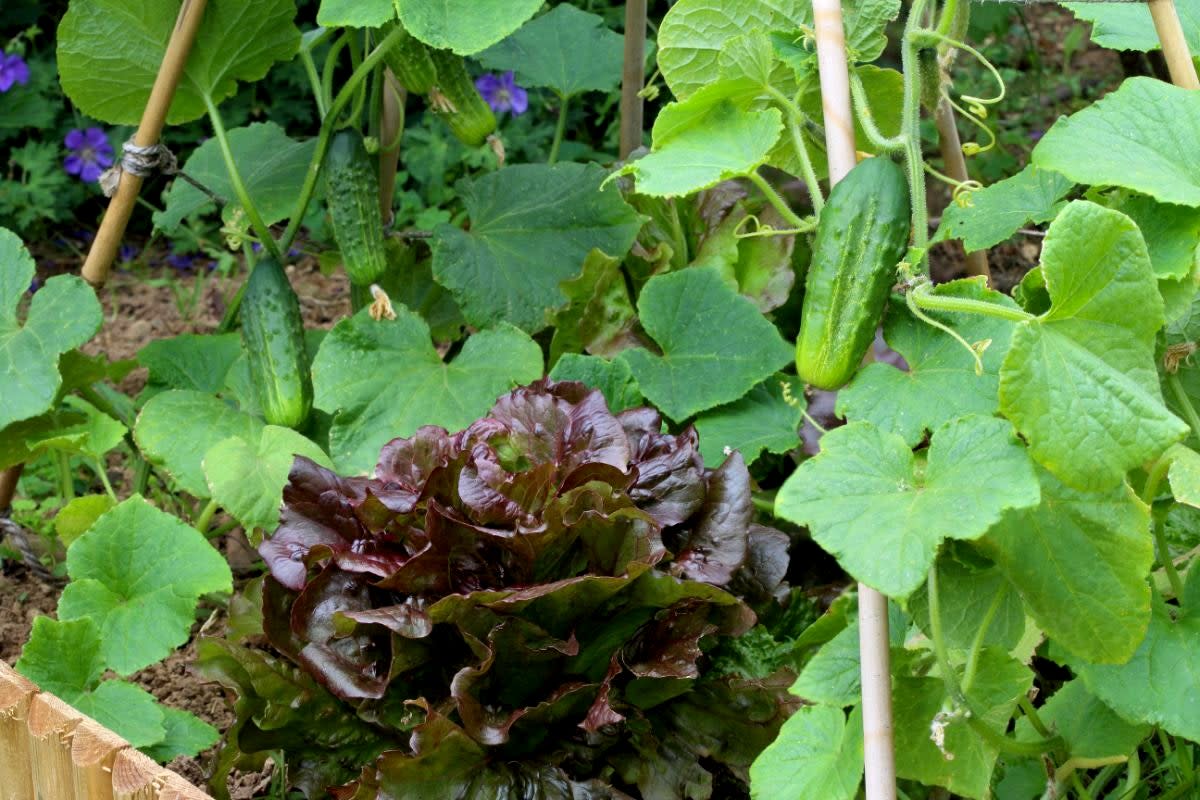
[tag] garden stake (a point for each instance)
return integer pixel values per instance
(632, 76)
(879, 760)
(956, 167)
(112, 227)
(1174, 45)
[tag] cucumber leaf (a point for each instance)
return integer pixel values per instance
(138, 573)
(1079, 381)
(62, 315)
(940, 383)
(715, 345)
(614, 379)
(818, 754)
(355, 13)
(996, 212)
(1129, 26)
(532, 226)
(464, 26)
(384, 379)
(1080, 562)
(109, 52)
(863, 496)
(1152, 125)
(763, 420)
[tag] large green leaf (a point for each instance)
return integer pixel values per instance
(1080, 561)
(698, 144)
(864, 495)
(1079, 381)
(965, 762)
(818, 754)
(464, 26)
(1172, 233)
(186, 735)
(940, 383)
(1128, 26)
(272, 167)
(63, 315)
(247, 476)
(138, 573)
(694, 33)
(66, 659)
(1154, 126)
(833, 674)
(532, 225)
(996, 212)
(566, 49)
(1090, 728)
(191, 361)
(982, 597)
(1157, 686)
(614, 379)
(176, 428)
(355, 13)
(384, 379)
(715, 344)
(599, 317)
(762, 420)
(109, 52)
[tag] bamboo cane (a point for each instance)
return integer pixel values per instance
(633, 76)
(112, 229)
(878, 756)
(1174, 44)
(956, 168)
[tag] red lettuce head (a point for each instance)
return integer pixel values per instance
(525, 603)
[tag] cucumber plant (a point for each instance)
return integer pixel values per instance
(549, 527)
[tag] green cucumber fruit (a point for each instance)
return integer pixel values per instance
(459, 104)
(273, 340)
(861, 237)
(410, 62)
(352, 197)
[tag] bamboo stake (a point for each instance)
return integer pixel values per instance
(633, 76)
(1174, 44)
(878, 756)
(391, 121)
(16, 693)
(956, 167)
(112, 228)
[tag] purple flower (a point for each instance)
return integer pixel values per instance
(502, 93)
(127, 253)
(90, 154)
(13, 70)
(181, 261)
(34, 285)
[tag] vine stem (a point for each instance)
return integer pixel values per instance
(795, 118)
(560, 129)
(879, 757)
(980, 636)
(1153, 480)
(1185, 402)
(777, 202)
(112, 228)
(956, 167)
(103, 475)
(633, 75)
(206, 515)
(910, 124)
(239, 186)
(925, 299)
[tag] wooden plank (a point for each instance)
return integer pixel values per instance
(51, 726)
(16, 693)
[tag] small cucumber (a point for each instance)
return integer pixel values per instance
(861, 236)
(458, 102)
(352, 197)
(410, 62)
(273, 340)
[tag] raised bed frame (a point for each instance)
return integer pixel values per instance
(50, 751)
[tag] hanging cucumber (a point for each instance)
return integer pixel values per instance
(352, 197)
(862, 235)
(458, 102)
(273, 340)
(410, 62)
